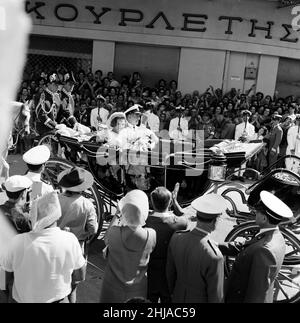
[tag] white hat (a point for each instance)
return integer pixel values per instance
(114, 116)
(37, 155)
(274, 207)
(209, 206)
(180, 107)
(17, 183)
(100, 97)
(45, 211)
(134, 109)
(134, 207)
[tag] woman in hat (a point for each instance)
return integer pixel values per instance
(116, 123)
(129, 249)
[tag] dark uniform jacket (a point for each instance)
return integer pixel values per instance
(164, 227)
(195, 268)
(65, 115)
(83, 117)
(275, 138)
(255, 269)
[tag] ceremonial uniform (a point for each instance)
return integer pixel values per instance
(274, 142)
(98, 115)
(45, 118)
(258, 263)
(244, 129)
(83, 117)
(293, 140)
(195, 265)
(179, 126)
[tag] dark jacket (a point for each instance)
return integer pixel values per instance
(275, 138)
(157, 281)
(252, 277)
(195, 269)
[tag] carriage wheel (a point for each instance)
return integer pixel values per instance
(287, 283)
(53, 167)
(49, 139)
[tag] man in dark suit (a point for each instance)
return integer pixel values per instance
(165, 224)
(195, 265)
(257, 265)
(275, 139)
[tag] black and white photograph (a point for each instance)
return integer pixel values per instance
(150, 154)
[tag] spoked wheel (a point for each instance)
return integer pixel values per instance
(49, 139)
(287, 283)
(53, 167)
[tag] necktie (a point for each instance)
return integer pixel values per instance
(179, 120)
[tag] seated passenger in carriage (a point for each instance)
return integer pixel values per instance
(116, 123)
(137, 138)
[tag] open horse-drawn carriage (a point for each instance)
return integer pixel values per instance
(200, 170)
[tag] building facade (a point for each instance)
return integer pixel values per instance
(223, 43)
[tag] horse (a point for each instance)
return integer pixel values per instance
(20, 114)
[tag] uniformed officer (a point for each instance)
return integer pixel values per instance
(258, 263)
(195, 265)
(245, 131)
(35, 158)
(48, 107)
(67, 107)
(275, 139)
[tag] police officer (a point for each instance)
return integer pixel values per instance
(257, 265)
(195, 265)
(35, 158)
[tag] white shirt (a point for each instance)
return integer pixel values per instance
(38, 187)
(174, 124)
(42, 264)
(102, 113)
(249, 129)
(293, 139)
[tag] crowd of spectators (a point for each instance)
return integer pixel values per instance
(215, 112)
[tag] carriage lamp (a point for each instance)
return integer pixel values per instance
(217, 167)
